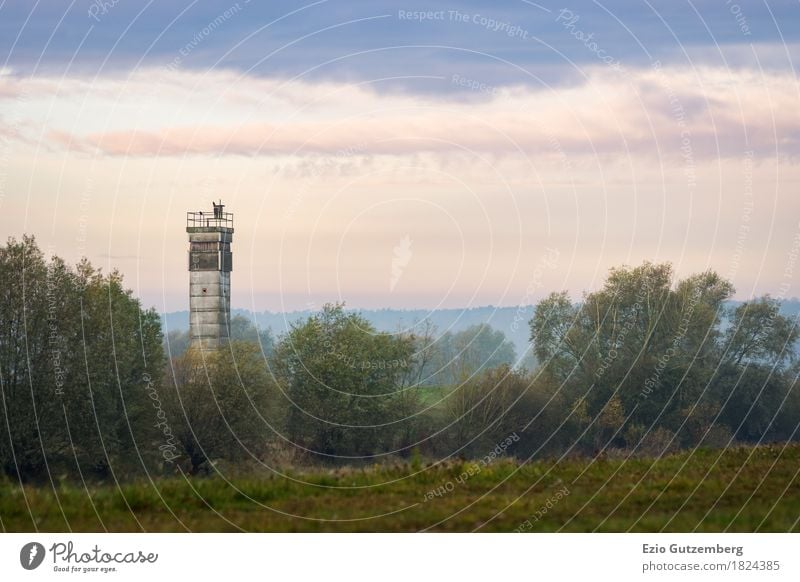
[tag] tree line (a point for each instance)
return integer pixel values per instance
(646, 365)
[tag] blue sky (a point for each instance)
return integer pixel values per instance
(57, 35)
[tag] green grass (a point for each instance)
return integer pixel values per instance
(740, 489)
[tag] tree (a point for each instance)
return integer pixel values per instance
(77, 353)
(639, 346)
(463, 354)
(223, 404)
(416, 376)
(243, 329)
(176, 342)
(33, 363)
(343, 380)
(549, 423)
(553, 336)
(485, 408)
(759, 334)
(754, 382)
(121, 361)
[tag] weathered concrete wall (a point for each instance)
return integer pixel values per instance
(209, 292)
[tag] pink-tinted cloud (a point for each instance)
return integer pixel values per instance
(647, 112)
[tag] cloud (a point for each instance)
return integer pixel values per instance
(663, 112)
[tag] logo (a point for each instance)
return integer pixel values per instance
(31, 555)
(401, 258)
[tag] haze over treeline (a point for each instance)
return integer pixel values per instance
(512, 321)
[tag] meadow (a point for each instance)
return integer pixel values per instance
(741, 489)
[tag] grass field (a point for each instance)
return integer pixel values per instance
(740, 489)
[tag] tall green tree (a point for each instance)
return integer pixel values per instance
(77, 358)
(755, 381)
(638, 353)
(344, 382)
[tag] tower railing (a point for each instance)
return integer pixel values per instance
(209, 219)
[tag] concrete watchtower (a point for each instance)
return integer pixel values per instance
(210, 266)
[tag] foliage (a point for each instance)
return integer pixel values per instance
(461, 355)
(78, 358)
(486, 409)
(342, 379)
(222, 404)
(642, 354)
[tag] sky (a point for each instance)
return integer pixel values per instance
(406, 154)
